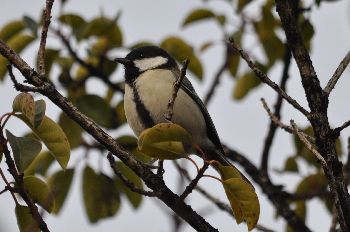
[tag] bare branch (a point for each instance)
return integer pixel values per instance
(308, 144)
(169, 114)
(264, 78)
(22, 87)
(280, 124)
(46, 24)
(337, 74)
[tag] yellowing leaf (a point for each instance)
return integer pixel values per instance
(59, 184)
(40, 192)
(53, 137)
(165, 141)
(25, 221)
(24, 150)
(180, 50)
(245, 84)
(198, 15)
(24, 103)
(244, 201)
(241, 194)
(101, 198)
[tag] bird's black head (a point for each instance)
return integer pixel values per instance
(145, 58)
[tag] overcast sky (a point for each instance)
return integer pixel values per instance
(241, 124)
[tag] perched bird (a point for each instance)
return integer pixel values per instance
(150, 73)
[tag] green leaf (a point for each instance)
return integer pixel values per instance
(98, 110)
(17, 42)
(180, 50)
(24, 103)
(134, 198)
(291, 165)
(40, 164)
(245, 84)
(312, 183)
(104, 27)
(165, 141)
(40, 108)
(227, 172)
(101, 198)
(25, 221)
(198, 15)
(31, 24)
(244, 201)
(11, 29)
(205, 46)
(59, 184)
(24, 150)
(40, 192)
(53, 137)
(72, 130)
(76, 23)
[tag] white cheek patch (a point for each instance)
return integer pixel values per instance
(150, 63)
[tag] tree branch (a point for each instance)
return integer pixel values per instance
(337, 74)
(46, 24)
(308, 144)
(264, 78)
(318, 103)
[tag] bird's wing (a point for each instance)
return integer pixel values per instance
(211, 131)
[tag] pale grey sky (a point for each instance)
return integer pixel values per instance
(241, 124)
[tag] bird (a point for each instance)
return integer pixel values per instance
(150, 74)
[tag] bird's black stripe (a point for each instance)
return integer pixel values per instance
(142, 111)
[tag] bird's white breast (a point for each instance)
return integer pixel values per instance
(155, 88)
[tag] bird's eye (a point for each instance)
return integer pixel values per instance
(141, 55)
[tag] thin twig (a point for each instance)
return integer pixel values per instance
(169, 114)
(21, 87)
(337, 74)
(127, 182)
(264, 78)
(280, 124)
(8, 186)
(46, 24)
(308, 144)
(337, 130)
(194, 182)
(334, 223)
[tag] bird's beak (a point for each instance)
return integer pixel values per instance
(123, 61)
